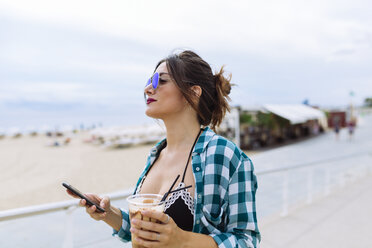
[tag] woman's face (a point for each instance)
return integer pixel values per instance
(166, 100)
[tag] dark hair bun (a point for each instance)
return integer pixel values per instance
(223, 84)
(223, 88)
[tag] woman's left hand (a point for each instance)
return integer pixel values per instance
(163, 234)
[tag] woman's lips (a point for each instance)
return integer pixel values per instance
(150, 100)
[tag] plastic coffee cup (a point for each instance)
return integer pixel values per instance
(140, 202)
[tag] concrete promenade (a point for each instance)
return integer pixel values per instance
(343, 219)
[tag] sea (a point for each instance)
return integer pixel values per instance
(29, 120)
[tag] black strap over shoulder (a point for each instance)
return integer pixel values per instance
(188, 160)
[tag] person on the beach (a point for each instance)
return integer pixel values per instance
(351, 126)
(337, 130)
(219, 210)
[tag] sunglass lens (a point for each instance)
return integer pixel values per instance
(148, 82)
(155, 80)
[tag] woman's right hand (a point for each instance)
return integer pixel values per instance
(91, 210)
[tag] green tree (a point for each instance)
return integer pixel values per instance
(368, 102)
(265, 120)
(246, 119)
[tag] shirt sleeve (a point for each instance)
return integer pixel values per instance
(241, 222)
(123, 234)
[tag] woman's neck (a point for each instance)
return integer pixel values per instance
(181, 132)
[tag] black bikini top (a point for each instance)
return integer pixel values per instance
(179, 205)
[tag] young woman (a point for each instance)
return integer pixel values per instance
(219, 209)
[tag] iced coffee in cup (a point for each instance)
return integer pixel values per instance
(140, 202)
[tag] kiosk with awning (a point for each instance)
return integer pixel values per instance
(297, 113)
(270, 124)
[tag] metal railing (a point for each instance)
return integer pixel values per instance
(67, 206)
(309, 166)
(71, 205)
(53, 207)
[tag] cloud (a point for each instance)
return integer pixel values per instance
(47, 92)
(38, 45)
(271, 28)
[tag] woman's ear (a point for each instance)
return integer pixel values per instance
(197, 90)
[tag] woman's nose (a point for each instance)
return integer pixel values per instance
(149, 90)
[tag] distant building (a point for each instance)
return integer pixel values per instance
(271, 124)
(337, 118)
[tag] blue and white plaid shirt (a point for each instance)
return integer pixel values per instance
(225, 190)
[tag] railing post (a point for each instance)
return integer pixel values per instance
(285, 194)
(327, 181)
(342, 179)
(68, 242)
(310, 186)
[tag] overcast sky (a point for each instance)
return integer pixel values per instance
(82, 61)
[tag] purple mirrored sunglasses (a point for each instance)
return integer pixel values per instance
(154, 80)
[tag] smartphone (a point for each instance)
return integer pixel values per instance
(82, 196)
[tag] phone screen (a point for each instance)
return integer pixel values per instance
(82, 196)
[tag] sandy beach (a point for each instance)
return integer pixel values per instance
(32, 172)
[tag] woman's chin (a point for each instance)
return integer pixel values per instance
(152, 114)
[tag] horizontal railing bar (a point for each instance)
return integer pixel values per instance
(53, 207)
(300, 166)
